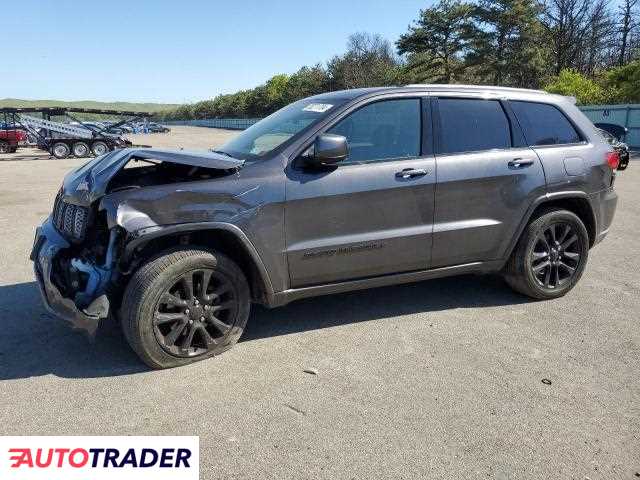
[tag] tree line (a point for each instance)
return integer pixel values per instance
(589, 49)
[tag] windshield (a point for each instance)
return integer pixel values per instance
(273, 131)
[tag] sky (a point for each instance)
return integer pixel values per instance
(176, 51)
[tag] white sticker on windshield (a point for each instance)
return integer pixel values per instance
(317, 107)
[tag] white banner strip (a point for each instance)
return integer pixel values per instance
(98, 458)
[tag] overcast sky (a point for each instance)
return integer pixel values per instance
(177, 51)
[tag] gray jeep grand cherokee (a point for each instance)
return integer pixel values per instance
(337, 192)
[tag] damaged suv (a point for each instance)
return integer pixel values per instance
(337, 192)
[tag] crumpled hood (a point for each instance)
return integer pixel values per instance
(89, 182)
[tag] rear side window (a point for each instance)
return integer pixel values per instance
(470, 125)
(544, 124)
(384, 130)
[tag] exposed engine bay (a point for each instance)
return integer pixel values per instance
(147, 173)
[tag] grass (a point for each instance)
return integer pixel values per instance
(131, 106)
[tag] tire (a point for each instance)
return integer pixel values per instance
(99, 148)
(80, 149)
(60, 150)
(158, 330)
(537, 254)
(4, 147)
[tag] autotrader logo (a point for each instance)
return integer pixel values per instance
(26, 458)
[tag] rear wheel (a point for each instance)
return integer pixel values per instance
(61, 150)
(550, 256)
(99, 148)
(184, 306)
(4, 147)
(80, 149)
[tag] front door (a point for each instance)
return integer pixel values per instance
(373, 214)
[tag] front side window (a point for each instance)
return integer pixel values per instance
(384, 130)
(472, 125)
(544, 124)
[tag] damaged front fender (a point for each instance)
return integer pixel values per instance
(139, 209)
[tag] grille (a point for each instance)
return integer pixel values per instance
(70, 220)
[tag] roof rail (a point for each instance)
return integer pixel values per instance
(444, 86)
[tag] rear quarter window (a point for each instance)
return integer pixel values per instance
(544, 124)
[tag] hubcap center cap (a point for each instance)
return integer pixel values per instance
(195, 312)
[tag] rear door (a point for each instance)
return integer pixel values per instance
(487, 178)
(372, 214)
(561, 147)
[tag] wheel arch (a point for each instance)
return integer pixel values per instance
(225, 238)
(575, 202)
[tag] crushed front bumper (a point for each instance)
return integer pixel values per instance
(47, 245)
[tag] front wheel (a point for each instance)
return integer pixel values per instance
(550, 257)
(184, 306)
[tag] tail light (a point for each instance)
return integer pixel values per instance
(613, 159)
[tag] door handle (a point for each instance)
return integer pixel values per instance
(520, 162)
(411, 172)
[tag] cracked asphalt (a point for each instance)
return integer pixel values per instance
(441, 379)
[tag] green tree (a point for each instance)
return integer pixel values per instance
(257, 102)
(368, 62)
(306, 82)
(277, 92)
(505, 45)
(574, 84)
(630, 21)
(624, 82)
(184, 112)
(436, 43)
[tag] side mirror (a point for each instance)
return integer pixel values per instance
(328, 150)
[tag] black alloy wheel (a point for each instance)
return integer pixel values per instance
(556, 255)
(185, 305)
(550, 256)
(196, 314)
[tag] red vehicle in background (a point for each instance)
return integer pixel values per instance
(10, 138)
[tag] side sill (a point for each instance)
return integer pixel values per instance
(287, 296)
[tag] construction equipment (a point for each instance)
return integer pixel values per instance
(64, 139)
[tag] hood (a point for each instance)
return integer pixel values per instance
(89, 182)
